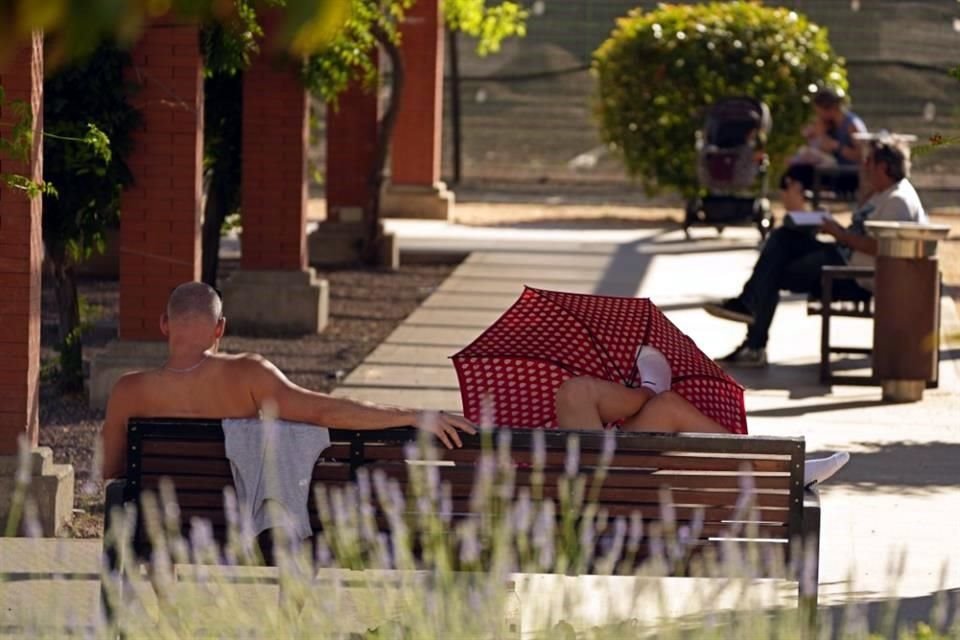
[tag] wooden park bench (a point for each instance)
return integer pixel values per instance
(832, 305)
(704, 474)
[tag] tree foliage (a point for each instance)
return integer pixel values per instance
(227, 48)
(352, 53)
(373, 25)
(89, 122)
(79, 26)
(660, 69)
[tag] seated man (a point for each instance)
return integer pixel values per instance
(585, 402)
(198, 382)
(792, 258)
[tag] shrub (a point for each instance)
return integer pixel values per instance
(659, 70)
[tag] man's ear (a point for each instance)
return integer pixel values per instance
(165, 325)
(221, 327)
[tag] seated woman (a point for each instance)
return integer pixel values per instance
(590, 403)
(829, 141)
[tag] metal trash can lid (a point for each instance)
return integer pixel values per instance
(907, 239)
(908, 230)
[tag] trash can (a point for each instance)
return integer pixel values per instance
(906, 297)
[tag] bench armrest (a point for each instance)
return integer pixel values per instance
(830, 273)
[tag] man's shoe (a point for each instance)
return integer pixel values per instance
(732, 309)
(744, 356)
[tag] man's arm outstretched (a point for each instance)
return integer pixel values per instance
(273, 391)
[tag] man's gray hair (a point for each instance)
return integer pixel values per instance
(894, 154)
(194, 299)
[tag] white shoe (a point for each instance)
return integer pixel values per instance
(816, 471)
(653, 369)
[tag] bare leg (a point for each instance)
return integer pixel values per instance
(669, 412)
(589, 403)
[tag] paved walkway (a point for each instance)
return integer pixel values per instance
(901, 491)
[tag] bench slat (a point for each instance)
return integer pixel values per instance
(621, 478)
(178, 449)
(335, 472)
(627, 460)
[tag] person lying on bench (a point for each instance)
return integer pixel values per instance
(197, 382)
(585, 402)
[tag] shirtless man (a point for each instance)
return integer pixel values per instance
(198, 382)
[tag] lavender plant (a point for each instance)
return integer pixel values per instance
(390, 564)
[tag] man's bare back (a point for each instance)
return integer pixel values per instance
(197, 382)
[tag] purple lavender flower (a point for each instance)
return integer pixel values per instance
(201, 537)
(31, 519)
(469, 542)
(572, 462)
(446, 504)
(523, 511)
(636, 529)
(488, 412)
(609, 447)
(539, 449)
(543, 534)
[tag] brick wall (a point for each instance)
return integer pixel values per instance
(160, 212)
(20, 261)
(274, 192)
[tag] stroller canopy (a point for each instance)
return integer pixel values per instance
(730, 121)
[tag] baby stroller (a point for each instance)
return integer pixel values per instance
(732, 167)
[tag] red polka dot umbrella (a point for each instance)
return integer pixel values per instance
(516, 366)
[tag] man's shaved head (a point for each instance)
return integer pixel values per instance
(194, 301)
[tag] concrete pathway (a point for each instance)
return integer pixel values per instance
(901, 491)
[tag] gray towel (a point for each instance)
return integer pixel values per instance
(272, 463)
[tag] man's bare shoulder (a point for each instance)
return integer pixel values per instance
(251, 368)
(242, 361)
(129, 386)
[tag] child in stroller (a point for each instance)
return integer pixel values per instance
(730, 164)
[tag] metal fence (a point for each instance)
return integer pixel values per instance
(526, 113)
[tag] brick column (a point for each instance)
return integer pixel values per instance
(351, 150)
(351, 147)
(415, 190)
(160, 212)
(21, 255)
(274, 206)
(21, 258)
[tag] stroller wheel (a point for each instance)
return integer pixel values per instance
(764, 226)
(763, 217)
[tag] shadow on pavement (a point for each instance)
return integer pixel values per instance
(890, 617)
(792, 412)
(949, 354)
(589, 224)
(800, 380)
(904, 466)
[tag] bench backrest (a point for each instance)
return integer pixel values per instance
(703, 472)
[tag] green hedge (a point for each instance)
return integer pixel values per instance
(660, 69)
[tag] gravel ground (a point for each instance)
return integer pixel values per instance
(365, 306)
